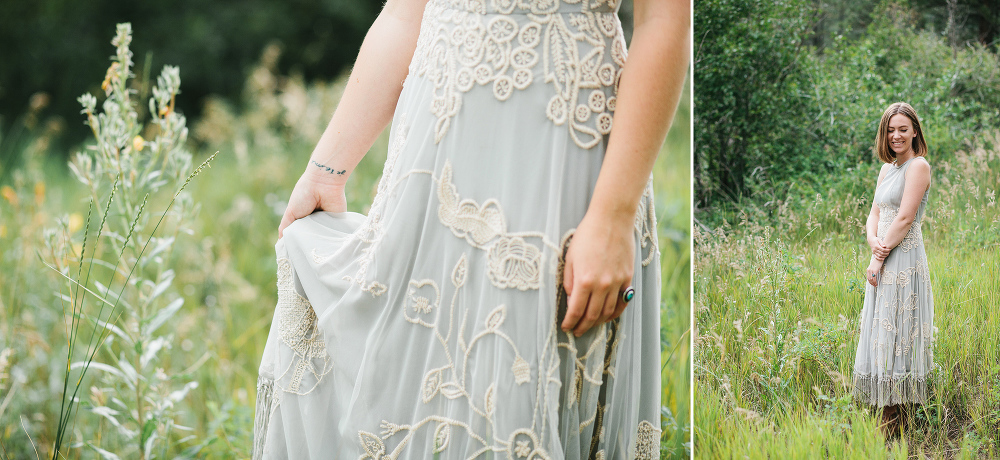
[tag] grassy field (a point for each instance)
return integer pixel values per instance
(777, 298)
(222, 265)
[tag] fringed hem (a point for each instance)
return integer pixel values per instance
(262, 417)
(882, 391)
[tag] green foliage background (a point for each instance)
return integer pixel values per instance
(775, 114)
(59, 48)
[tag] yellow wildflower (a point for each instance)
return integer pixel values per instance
(9, 194)
(39, 193)
(75, 222)
(109, 77)
(138, 143)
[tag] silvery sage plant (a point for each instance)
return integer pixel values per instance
(119, 296)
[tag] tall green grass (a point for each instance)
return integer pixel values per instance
(777, 302)
(672, 185)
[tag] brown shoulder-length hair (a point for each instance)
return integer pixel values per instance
(882, 149)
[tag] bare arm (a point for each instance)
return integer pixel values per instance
(600, 259)
(871, 225)
(647, 99)
(918, 179)
(365, 108)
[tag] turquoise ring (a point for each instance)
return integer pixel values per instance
(628, 294)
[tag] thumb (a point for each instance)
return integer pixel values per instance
(568, 274)
(286, 219)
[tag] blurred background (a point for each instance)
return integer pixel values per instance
(258, 82)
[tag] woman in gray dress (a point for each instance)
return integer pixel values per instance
(457, 320)
(895, 357)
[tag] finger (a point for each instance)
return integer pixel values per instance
(618, 308)
(609, 306)
(593, 313)
(286, 220)
(568, 275)
(576, 306)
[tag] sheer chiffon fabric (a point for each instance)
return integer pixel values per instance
(895, 352)
(430, 327)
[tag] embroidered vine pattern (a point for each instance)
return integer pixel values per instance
(645, 224)
(513, 261)
(459, 48)
(898, 302)
(296, 322)
(449, 381)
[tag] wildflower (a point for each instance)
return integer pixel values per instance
(75, 222)
(109, 77)
(9, 194)
(138, 143)
(39, 193)
(97, 396)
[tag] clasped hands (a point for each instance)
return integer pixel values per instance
(879, 252)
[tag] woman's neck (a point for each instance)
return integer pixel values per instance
(905, 156)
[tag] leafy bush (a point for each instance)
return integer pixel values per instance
(775, 117)
(748, 106)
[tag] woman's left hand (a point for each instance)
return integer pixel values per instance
(600, 262)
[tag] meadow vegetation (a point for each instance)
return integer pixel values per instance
(777, 308)
(175, 376)
(784, 179)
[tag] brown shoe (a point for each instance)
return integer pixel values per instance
(891, 422)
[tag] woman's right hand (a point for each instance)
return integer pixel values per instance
(878, 248)
(871, 274)
(312, 193)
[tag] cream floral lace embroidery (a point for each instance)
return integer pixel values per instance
(645, 224)
(513, 261)
(449, 381)
(460, 47)
(895, 302)
(297, 329)
(914, 236)
(647, 441)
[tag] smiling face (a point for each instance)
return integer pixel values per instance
(900, 134)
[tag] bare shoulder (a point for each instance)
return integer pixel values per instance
(920, 167)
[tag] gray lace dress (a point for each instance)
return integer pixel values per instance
(429, 328)
(895, 351)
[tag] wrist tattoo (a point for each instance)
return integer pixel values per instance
(329, 169)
